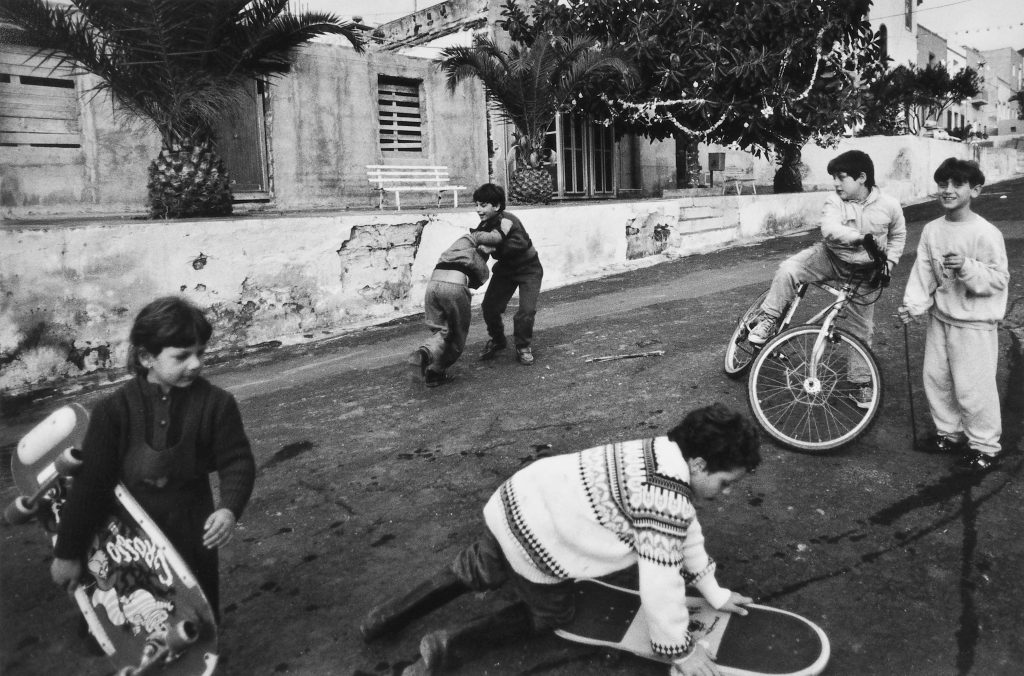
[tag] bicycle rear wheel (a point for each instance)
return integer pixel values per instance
(738, 352)
(813, 412)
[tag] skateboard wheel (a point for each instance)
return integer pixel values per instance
(68, 462)
(20, 511)
(182, 635)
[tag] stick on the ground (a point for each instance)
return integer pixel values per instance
(635, 355)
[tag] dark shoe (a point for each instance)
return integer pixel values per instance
(442, 649)
(975, 462)
(939, 444)
(524, 355)
(397, 612)
(437, 378)
(421, 358)
(492, 349)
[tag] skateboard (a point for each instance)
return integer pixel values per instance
(765, 641)
(142, 604)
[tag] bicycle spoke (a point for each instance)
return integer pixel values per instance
(812, 408)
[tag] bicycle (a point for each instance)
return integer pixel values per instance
(798, 387)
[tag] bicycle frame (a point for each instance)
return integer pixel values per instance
(826, 316)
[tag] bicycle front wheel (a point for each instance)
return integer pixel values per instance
(815, 407)
(738, 352)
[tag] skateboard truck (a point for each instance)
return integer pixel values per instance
(25, 507)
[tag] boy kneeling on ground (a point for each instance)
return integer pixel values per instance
(587, 515)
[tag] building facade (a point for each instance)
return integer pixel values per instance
(299, 142)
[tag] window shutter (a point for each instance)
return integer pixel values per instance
(38, 102)
(401, 125)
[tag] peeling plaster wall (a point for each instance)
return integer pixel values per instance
(69, 293)
(903, 164)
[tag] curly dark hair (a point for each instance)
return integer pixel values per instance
(171, 321)
(725, 438)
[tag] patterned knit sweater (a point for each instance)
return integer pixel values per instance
(592, 513)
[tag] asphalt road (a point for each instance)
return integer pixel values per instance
(368, 481)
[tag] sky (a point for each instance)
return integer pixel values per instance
(983, 24)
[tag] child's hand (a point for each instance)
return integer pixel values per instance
(218, 529)
(66, 572)
(904, 314)
(953, 261)
(736, 602)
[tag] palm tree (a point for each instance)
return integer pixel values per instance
(529, 84)
(179, 64)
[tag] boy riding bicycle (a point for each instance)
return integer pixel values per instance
(857, 208)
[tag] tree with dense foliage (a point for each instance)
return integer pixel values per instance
(907, 96)
(179, 64)
(541, 73)
(764, 76)
(1019, 98)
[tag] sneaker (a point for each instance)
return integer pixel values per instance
(437, 378)
(764, 330)
(421, 359)
(942, 445)
(975, 462)
(492, 349)
(524, 355)
(863, 396)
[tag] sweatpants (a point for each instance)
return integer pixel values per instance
(960, 383)
(446, 311)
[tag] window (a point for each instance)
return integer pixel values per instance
(401, 121)
(909, 15)
(585, 154)
(38, 102)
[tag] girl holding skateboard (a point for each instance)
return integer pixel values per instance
(161, 434)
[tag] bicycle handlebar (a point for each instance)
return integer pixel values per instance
(881, 277)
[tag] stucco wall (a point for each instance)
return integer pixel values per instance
(903, 164)
(322, 131)
(69, 293)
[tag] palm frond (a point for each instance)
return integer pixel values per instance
(530, 84)
(178, 63)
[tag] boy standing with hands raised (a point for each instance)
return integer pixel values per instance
(960, 279)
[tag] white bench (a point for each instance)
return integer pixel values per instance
(397, 179)
(738, 176)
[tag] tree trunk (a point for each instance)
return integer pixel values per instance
(788, 177)
(189, 182)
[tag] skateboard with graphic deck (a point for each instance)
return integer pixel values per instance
(142, 604)
(766, 641)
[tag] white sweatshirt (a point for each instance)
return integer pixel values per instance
(974, 297)
(598, 511)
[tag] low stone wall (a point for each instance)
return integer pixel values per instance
(70, 291)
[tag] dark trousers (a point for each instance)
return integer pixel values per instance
(482, 566)
(504, 281)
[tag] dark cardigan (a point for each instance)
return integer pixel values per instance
(221, 445)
